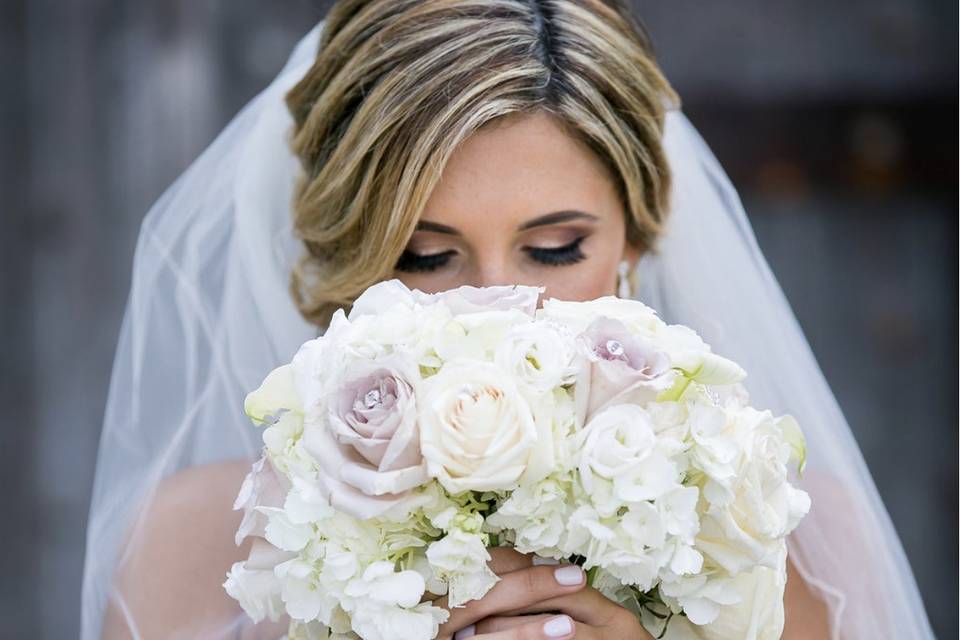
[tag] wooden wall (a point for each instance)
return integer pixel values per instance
(105, 103)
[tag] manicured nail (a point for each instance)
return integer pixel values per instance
(569, 575)
(558, 627)
(537, 560)
(466, 632)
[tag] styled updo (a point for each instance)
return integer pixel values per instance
(397, 85)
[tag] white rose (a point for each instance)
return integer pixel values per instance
(381, 296)
(759, 614)
(475, 336)
(578, 315)
(539, 355)
(748, 606)
(556, 418)
(469, 299)
(477, 431)
(385, 319)
(619, 445)
(466, 322)
(746, 525)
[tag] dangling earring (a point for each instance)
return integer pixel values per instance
(623, 280)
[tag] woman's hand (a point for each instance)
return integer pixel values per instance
(544, 590)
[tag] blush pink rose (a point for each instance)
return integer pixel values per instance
(367, 444)
(618, 367)
(262, 487)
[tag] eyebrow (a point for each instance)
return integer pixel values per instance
(555, 217)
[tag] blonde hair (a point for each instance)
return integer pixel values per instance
(397, 85)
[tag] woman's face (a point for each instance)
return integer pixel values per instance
(521, 202)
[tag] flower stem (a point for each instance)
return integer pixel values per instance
(591, 575)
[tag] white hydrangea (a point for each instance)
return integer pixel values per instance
(460, 557)
(535, 515)
(385, 604)
(637, 455)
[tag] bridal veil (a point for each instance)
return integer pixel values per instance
(209, 314)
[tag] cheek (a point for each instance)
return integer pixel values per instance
(429, 282)
(592, 278)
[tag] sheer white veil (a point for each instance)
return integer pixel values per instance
(209, 314)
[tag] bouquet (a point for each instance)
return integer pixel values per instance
(421, 429)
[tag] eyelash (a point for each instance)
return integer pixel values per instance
(556, 257)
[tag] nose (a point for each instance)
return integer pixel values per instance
(491, 270)
(494, 279)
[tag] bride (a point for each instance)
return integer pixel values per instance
(447, 143)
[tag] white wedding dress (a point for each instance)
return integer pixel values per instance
(209, 315)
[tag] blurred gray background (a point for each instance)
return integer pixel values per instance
(835, 120)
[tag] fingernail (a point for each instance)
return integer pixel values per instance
(569, 575)
(558, 627)
(466, 632)
(537, 560)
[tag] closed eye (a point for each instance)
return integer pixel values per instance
(558, 256)
(414, 262)
(555, 256)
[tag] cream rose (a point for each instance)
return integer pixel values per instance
(476, 429)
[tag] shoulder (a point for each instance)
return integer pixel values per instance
(191, 515)
(177, 557)
(206, 491)
(805, 614)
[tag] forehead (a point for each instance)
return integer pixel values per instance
(520, 166)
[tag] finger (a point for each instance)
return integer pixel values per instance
(516, 589)
(507, 559)
(502, 623)
(586, 605)
(553, 628)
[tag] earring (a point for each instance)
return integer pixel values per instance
(623, 280)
